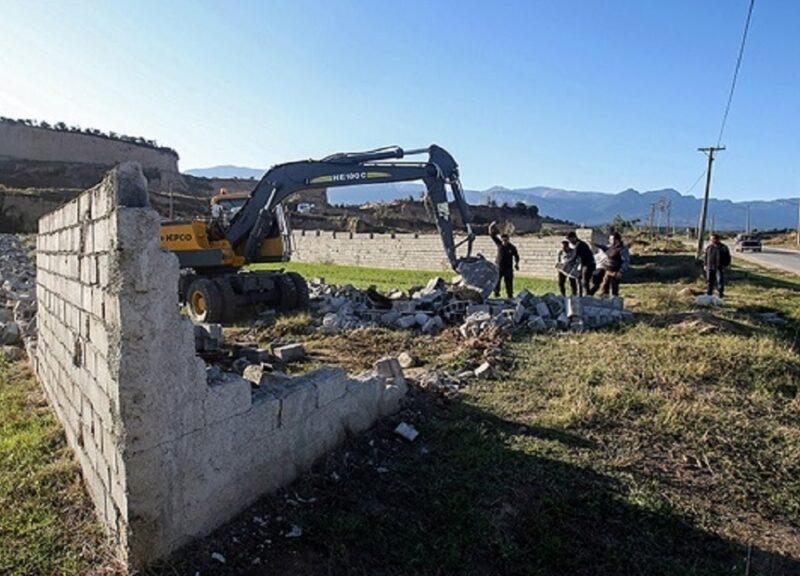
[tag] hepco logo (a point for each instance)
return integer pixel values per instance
(176, 238)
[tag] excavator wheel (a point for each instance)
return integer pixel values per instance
(229, 300)
(287, 292)
(204, 301)
(301, 289)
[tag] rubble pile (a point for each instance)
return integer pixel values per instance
(17, 296)
(439, 304)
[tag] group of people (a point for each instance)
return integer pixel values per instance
(588, 272)
(577, 264)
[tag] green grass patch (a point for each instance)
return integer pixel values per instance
(385, 279)
(47, 523)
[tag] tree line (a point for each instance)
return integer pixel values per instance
(62, 127)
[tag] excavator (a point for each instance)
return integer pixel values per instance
(214, 255)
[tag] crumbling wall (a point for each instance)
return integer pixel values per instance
(421, 251)
(167, 452)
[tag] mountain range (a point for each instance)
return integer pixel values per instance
(582, 207)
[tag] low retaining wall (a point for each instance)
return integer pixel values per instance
(421, 251)
(167, 452)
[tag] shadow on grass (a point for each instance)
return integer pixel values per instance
(468, 497)
(761, 280)
(649, 268)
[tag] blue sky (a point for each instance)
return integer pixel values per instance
(581, 94)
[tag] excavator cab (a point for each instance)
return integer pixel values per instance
(214, 254)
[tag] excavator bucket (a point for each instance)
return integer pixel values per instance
(477, 277)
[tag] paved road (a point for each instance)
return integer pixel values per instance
(787, 260)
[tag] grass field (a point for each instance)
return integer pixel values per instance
(670, 445)
(47, 524)
(384, 279)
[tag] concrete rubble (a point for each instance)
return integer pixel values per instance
(17, 296)
(440, 304)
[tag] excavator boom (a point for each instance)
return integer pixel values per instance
(216, 252)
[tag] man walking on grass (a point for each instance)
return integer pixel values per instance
(507, 260)
(717, 258)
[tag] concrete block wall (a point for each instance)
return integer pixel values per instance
(167, 452)
(421, 251)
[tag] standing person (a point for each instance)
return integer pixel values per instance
(717, 258)
(616, 257)
(566, 269)
(507, 260)
(583, 254)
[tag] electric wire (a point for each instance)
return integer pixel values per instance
(736, 72)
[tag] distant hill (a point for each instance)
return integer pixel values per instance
(227, 171)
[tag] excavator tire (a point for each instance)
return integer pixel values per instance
(204, 301)
(287, 293)
(229, 300)
(301, 288)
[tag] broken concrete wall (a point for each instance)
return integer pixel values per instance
(167, 453)
(421, 251)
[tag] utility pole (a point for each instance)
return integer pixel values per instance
(747, 227)
(704, 211)
(798, 221)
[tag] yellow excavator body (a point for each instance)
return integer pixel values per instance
(194, 237)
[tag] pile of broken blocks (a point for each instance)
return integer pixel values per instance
(17, 296)
(439, 304)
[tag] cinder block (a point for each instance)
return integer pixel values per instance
(331, 384)
(362, 402)
(298, 399)
(226, 398)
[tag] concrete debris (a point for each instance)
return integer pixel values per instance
(10, 333)
(406, 431)
(264, 375)
(390, 369)
(240, 364)
(295, 532)
(438, 304)
(290, 352)
(12, 353)
(208, 337)
(17, 296)
(407, 360)
(708, 300)
(484, 368)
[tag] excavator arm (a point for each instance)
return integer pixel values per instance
(215, 286)
(252, 223)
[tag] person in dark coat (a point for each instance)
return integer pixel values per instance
(585, 256)
(717, 258)
(615, 260)
(507, 260)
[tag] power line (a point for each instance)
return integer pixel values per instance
(696, 182)
(736, 71)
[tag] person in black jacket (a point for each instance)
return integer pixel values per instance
(717, 258)
(615, 256)
(584, 255)
(507, 260)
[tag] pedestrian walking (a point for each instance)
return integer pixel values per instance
(507, 260)
(717, 258)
